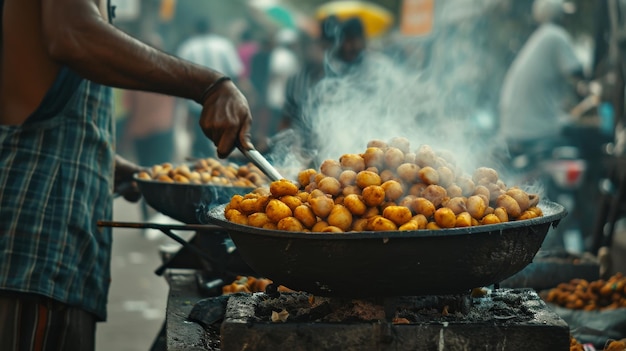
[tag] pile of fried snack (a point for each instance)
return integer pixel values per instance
(387, 187)
(580, 294)
(611, 345)
(207, 171)
(249, 284)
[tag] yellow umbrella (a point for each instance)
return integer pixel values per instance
(376, 19)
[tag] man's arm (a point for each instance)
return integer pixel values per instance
(79, 37)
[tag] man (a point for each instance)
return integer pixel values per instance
(540, 80)
(57, 162)
(208, 49)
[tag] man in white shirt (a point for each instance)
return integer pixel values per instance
(210, 50)
(539, 81)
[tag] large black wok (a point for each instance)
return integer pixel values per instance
(398, 263)
(182, 201)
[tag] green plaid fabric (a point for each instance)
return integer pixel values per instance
(56, 180)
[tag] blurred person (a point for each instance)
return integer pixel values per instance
(246, 49)
(58, 167)
(208, 49)
(283, 63)
(540, 81)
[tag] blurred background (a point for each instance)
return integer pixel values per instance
(459, 50)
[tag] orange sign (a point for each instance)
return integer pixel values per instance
(417, 17)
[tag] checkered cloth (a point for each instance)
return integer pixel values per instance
(56, 180)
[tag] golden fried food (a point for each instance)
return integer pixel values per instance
(380, 224)
(445, 218)
(352, 162)
(367, 178)
(332, 229)
(398, 214)
(305, 215)
(354, 203)
(258, 219)
(283, 187)
(393, 190)
(340, 217)
(321, 206)
(388, 187)
(330, 185)
(277, 210)
(373, 195)
(290, 224)
(424, 207)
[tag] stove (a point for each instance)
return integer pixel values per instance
(503, 319)
(499, 320)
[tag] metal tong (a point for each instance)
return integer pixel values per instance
(258, 160)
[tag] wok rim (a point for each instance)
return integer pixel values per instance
(190, 185)
(558, 211)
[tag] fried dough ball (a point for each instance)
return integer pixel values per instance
(351, 189)
(476, 206)
(373, 195)
(408, 172)
(428, 175)
(330, 185)
(355, 204)
(446, 176)
(510, 205)
(316, 193)
(377, 143)
(179, 178)
(401, 143)
(347, 177)
(331, 168)
(291, 201)
(537, 210)
(421, 220)
(394, 157)
(522, 198)
(387, 174)
(303, 196)
(144, 175)
(407, 201)
(490, 219)
(321, 205)
(393, 190)
(340, 217)
(359, 225)
(424, 207)
(371, 212)
(236, 217)
(290, 224)
(277, 210)
(527, 215)
(485, 175)
(367, 178)
(457, 204)
(432, 226)
(374, 157)
(409, 157)
(352, 162)
(270, 226)
(283, 187)
(306, 176)
(398, 214)
(494, 191)
(482, 190)
(258, 219)
(417, 189)
(463, 219)
(445, 218)
(235, 202)
(467, 185)
(435, 194)
(380, 224)
(251, 205)
(425, 156)
(319, 226)
(410, 225)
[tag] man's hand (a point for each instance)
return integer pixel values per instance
(124, 184)
(226, 119)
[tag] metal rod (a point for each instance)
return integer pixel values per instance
(140, 225)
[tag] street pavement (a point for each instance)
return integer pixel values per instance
(137, 297)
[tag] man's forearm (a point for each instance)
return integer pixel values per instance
(80, 38)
